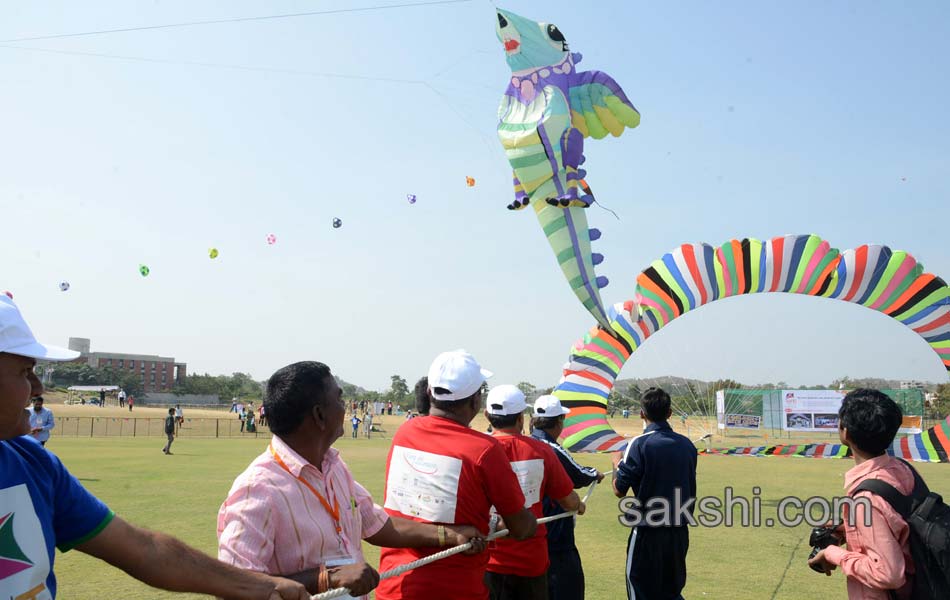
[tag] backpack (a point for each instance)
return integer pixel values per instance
(929, 521)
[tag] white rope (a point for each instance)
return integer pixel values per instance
(396, 572)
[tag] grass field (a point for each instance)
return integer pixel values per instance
(181, 494)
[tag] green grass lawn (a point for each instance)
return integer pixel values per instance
(180, 495)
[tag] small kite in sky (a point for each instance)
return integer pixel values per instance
(271, 239)
(64, 286)
(470, 181)
(212, 253)
(411, 198)
(337, 223)
(144, 270)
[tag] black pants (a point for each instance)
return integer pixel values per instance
(513, 587)
(656, 563)
(565, 575)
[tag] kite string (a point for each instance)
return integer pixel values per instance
(397, 571)
(234, 20)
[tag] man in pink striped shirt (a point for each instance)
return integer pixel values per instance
(878, 559)
(296, 510)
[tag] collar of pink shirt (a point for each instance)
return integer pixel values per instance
(296, 463)
(869, 468)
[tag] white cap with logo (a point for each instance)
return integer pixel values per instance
(505, 400)
(16, 337)
(457, 372)
(549, 406)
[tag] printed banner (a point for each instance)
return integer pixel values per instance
(743, 421)
(811, 410)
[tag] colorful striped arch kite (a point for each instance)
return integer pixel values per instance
(693, 275)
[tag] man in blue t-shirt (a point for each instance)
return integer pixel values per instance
(660, 468)
(43, 507)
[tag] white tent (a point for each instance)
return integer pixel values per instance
(76, 392)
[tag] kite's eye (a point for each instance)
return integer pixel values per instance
(554, 33)
(502, 21)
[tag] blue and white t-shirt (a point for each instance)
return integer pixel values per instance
(42, 507)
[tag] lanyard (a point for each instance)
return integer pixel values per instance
(334, 512)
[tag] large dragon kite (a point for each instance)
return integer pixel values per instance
(544, 116)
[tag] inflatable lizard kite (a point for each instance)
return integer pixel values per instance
(544, 116)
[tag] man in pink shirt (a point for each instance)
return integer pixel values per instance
(878, 559)
(296, 510)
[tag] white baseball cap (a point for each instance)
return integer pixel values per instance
(16, 337)
(505, 400)
(549, 406)
(459, 373)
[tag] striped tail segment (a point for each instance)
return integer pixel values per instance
(692, 275)
(800, 450)
(567, 232)
(874, 276)
(932, 445)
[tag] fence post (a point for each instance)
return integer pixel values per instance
(217, 425)
(92, 426)
(135, 423)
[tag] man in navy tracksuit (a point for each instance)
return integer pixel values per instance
(660, 464)
(565, 574)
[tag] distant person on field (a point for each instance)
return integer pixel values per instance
(233, 405)
(179, 415)
(421, 392)
(102, 397)
(131, 402)
(169, 430)
(297, 511)
(122, 398)
(41, 421)
(517, 570)
(48, 508)
(355, 422)
(249, 419)
(463, 472)
(566, 574)
(878, 562)
(658, 464)
(368, 424)
(261, 416)
(389, 407)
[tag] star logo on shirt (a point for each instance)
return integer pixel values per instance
(12, 558)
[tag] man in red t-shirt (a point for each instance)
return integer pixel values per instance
(441, 471)
(518, 570)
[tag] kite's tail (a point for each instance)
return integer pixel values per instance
(567, 232)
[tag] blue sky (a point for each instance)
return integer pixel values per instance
(758, 119)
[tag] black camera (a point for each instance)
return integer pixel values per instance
(821, 538)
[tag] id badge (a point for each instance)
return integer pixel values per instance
(339, 561)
